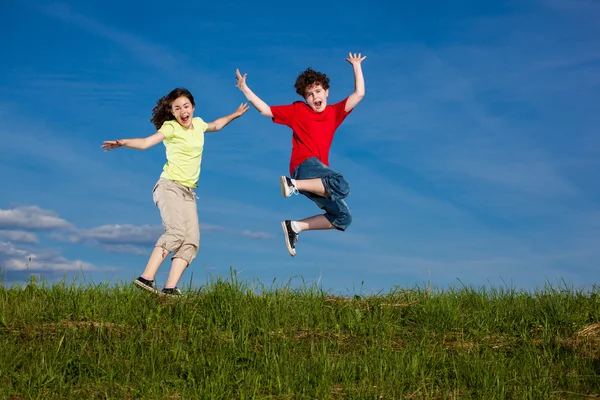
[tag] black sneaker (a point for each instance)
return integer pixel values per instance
(171, 292)
(287, 186)
(146, 284)
(291, 237)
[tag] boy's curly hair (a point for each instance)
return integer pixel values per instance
(162, 111)
(308, 78)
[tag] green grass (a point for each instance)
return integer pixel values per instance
(229, 341)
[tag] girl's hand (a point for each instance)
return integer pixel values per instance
(241, 109)
(112, 144)
(355, 59)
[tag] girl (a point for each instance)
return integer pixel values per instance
(173, 194)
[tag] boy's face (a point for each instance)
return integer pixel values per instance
(183, 110)
(316, 97)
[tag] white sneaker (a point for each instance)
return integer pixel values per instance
(287, 186)
(291, 237)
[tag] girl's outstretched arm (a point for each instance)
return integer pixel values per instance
(359, 81)
(256, 101)
(137, 143)
(220, 123)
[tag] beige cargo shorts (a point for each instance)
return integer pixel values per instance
(179, 213)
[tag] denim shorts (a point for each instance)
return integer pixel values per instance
(336, 209)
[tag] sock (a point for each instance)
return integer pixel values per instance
(170, 287)
(295, 227)
(293, 183)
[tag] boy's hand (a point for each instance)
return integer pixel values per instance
(353, 59)
(241, 109)
(241, 80)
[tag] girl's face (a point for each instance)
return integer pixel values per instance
(183, 111)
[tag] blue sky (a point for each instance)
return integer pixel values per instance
(473, 158)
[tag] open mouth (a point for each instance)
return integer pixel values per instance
(185, 119)
(318, 103)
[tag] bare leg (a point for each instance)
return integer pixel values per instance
(317, 222)
(178, 266)
(314, 185)
(156, 259)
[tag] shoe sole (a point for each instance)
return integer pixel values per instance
(285, 190)
(146, 287)
(287, 240)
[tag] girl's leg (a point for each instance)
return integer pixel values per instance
(178, 266)
(156, 259)
(169, 199)
(185, 254)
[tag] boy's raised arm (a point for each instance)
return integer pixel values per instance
(359, 81)
(260, 105)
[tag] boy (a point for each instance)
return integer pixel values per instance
(313, 124)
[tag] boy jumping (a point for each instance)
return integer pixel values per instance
(313, 124)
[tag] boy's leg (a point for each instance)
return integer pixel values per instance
(327, 189)
(293, 186)
(337, 215)
(314, 186)
(291, 229)
(314, 177)
(316, 222)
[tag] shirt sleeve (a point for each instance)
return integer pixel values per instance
(340, 111)
(167, 129)
(284, 115)
(200, 125)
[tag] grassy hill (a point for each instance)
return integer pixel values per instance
(229, 340)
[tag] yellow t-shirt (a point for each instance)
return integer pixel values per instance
(184, 151)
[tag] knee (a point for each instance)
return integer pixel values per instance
(171, 240)
(337, 186)
(341, 220)
(345, 219)
(187, 252)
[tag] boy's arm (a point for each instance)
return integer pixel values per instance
(359, 81)
(136, 143)
(260, 105)
(220, 123)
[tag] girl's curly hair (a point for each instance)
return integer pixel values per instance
(308, 78)
(162, 111)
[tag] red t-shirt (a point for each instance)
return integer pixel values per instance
(313, 131)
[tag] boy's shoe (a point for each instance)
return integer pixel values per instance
(171, 292)
(146, 284)
(291, 237)
(287, 186)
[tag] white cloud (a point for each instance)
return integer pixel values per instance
(32, 218)
(123, 234)
(256, 235)
(125, 248)
(16, 259)
(19, 236)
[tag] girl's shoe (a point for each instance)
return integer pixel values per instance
(146, 284)
(173, 292)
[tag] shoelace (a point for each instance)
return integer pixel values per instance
(294, 190)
